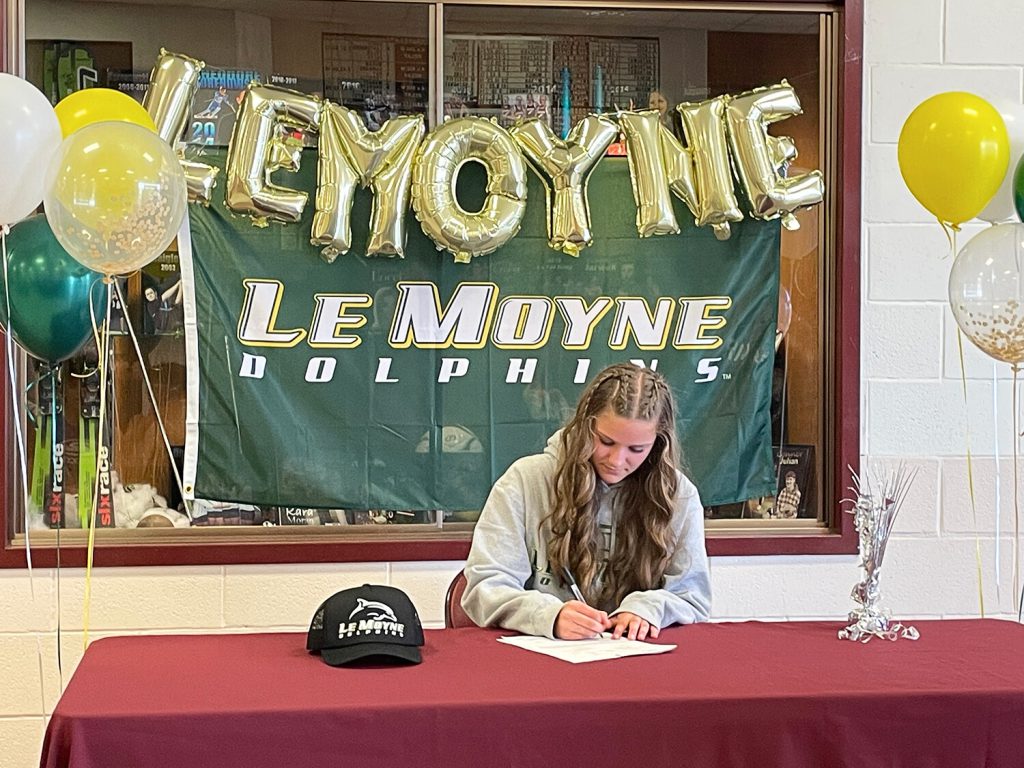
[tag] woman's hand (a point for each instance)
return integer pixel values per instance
(578, 621)
(633, 627)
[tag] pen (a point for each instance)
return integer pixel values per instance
(573, 587)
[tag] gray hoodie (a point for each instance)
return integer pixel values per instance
(510, 585)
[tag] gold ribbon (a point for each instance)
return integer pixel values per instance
(950, 230)
(970, 469)
(103, 363)
(1016, 506)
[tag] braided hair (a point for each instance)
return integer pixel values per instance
(643, 541)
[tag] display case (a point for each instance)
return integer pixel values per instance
(383, 397)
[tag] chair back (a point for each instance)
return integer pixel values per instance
(454, 616)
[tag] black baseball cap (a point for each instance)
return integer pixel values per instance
(371, 620)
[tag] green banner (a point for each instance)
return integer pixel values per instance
(449, 372)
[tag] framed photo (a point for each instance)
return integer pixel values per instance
(794, 493)
(794, 468)
(163, 312)
(215, 105)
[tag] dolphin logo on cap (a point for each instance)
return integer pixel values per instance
(377, 610)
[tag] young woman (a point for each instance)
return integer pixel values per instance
(605, 506)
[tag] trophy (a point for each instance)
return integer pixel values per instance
(879, 498)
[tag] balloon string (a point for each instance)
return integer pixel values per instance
(19, 437)
(103, 362)
(152, 399)
(1016, 506)
(950, 231)
(52, 373)
(783, 410)
(54, 378)
(94, 321)
(998, 483)
(60, 664)
(234, 399)
(782, 422)
(22, 459)
(970, 475)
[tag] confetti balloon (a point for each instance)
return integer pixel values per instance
(115, 196)
(986, 292)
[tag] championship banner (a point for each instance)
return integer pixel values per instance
(412, 383)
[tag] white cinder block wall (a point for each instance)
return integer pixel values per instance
(914, 408)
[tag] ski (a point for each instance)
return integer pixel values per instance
(41, 448)
(47, 491)
(94, 449)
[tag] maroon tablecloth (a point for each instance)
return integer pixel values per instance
(748, 694)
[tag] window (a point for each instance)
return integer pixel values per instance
(506, 63)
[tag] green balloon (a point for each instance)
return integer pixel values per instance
(49, 293)
(1018, 188)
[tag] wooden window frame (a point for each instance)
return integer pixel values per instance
(842, 391)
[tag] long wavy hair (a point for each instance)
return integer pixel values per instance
(643, 539)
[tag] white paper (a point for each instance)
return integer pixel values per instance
(578, 651)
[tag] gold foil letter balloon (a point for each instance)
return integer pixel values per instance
(256, 151)
(172, 86)
(435, 173)
(656, 170)
(704, 125)
(349, 154)
(699, 174)
(771, 195)
(564, 166)
(783, 151)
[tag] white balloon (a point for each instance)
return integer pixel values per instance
(29, 136)
(1000, 208)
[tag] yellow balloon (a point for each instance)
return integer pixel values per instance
(953, 153)
(97, 105)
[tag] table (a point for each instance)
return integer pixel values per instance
(741, 694)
